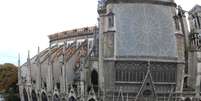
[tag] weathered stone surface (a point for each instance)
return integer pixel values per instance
(146, 30)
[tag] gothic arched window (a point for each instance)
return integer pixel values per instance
(44, 97)
(195, 21)
(198, 20)
(25, 95)
(56, 98)
(34, 96)
(177, 23)
(110, 20)
(72, 99)
(185, 82)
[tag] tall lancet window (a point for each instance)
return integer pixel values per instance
(177, 22)
(199, 17)
(110, 19)
(195, 21)
(198, 20)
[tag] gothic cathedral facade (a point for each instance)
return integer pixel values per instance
(141, 50)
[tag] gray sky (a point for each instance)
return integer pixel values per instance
(25, 24)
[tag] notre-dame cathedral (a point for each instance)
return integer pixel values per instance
(141, 50)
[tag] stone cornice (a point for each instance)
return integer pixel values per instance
(157, 2)
(146, 58)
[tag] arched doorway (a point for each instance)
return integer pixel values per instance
(185, 85)
(72, 98)
(44, 97)
(63, 99)
(25, 95)
(188, 99)
(92, 99)
(33, 94)
(56, 98)
(94, 80)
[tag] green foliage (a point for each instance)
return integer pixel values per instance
(8, 76)
(12, 97)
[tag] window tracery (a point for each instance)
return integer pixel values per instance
(136, 72)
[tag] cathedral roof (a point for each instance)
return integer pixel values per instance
(73, 33)
(196, 8)
(54, 55)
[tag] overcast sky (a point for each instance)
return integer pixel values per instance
(25, 24)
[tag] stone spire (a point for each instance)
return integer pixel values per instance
(39, 70)
(29, 67)
(50, 85)
(63, 71)
(19, 70)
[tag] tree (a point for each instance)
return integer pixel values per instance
(8, 76)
